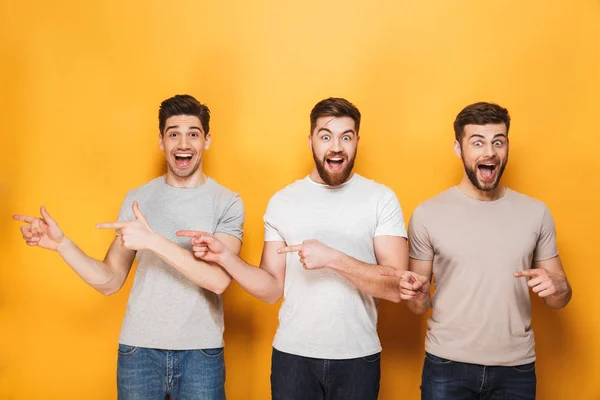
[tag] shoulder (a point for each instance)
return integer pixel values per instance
(146, 188)
(221, 191)
(290, 192)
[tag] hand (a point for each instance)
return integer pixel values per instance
(43, 232)
(206, 246)
(136, 234)
(544, 283)
(412, 286)
(313, 254)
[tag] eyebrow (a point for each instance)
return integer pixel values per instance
(476, 135)
(177, 127)
(343, 133)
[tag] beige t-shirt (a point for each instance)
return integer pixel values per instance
(481, 313)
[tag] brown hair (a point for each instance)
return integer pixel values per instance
(183, 104)
(334, 107)
(480, 114)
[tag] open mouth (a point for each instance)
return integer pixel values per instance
(487, 171)
(183, 160)
(335, 163)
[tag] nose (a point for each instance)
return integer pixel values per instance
(489, 150)
(183, 142)
(336, 145)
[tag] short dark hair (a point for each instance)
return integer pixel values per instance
(334, 107)
(481, 113)
(183, 104)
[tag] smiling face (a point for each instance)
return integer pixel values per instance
(183, 142)
(484, 153)
(334, 143)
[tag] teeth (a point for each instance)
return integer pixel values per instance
(335, 159)
(183, 155)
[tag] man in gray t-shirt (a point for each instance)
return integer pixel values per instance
(171, 341)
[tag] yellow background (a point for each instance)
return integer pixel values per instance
(80, 85)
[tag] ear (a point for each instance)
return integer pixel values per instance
(310, 141)
(357, 138)
(457, 149)
(160, 141)
(207, 139)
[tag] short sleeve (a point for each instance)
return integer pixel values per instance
(126, 211)
(232, 220)
(420, 246)
(272, 234)
(546, 244)
(390, 221)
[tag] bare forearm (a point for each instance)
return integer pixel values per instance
(206, 275)
(561, 299)
(367, 277)
(256, 281)
(94, 272)
(419, 306)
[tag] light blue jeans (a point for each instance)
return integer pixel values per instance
(153, 374)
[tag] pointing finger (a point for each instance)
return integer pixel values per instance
(190, 233)
(288, 249)
(23, 218)
(527, 273)
(113, 225)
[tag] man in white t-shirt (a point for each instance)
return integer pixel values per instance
(328, 239)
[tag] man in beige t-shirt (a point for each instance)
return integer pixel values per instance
(485, 245)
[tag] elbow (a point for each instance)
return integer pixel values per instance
(221, 286)
(107, 291)
(272, 298)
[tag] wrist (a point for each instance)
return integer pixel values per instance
(336, 260)
(63, 245)
(153, 242)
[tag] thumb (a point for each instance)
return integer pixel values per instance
(47, 218)
(138, 214)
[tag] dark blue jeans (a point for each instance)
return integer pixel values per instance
(152, 374)
(303, 378)
(446, 379)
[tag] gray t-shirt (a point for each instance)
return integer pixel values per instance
(166, 310)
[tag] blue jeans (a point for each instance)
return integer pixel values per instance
(303, 378)
(446, 379)
(152, 374)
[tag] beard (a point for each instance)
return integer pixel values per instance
(485, 186)
(334, 178)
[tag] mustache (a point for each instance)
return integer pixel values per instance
(335, 154)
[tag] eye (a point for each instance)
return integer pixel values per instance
(194, 134)
(173, 134)
(346, 138)
(478, 143)
(325, 137)
(498, 143)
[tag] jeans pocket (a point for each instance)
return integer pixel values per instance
(372, 357)
(525, 367)
(126, 350)
(213, 352)
(437, 360)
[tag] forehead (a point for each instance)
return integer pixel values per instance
(487, 130)
(183, 121)
(335, 124)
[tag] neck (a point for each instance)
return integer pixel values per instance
(467, 188)
(196, 179)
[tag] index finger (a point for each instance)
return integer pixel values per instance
(23, 218)
(288, 249)
(190, 233)
(527, 272)
(112, 225)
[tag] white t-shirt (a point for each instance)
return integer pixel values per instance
(323, 314)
